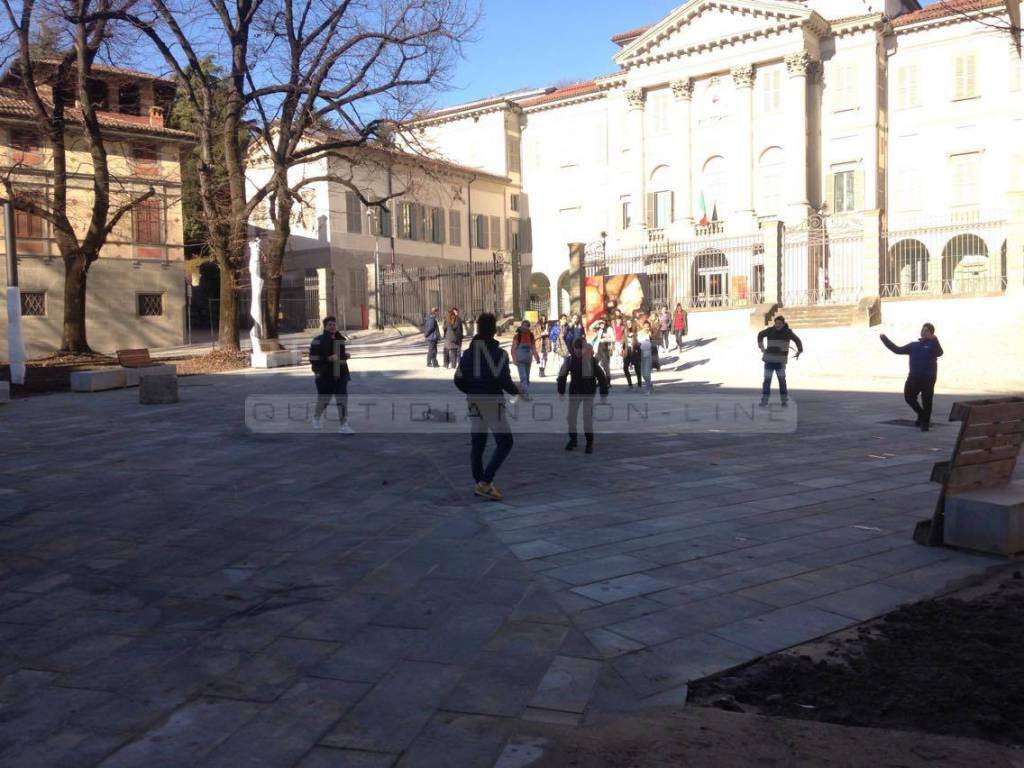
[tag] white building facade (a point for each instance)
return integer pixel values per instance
(750, 152)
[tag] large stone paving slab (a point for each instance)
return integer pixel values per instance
(174, 587)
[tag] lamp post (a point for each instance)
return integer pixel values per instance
(15, 342)
(376, 268)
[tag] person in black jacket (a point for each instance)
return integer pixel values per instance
(328, 358)
(453, 334)
(924, 370)
(585, 377)
(483, 374)
(432, 334)
(774, 345)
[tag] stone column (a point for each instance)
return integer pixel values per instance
(372, 310)
(743, 78)
(635, 98)
(1015, 246)
(872, 252)
(771, 232)
(682, 90)
(799, 65)
(577, 275)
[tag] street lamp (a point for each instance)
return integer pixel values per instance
(15, 342)
(376, 266)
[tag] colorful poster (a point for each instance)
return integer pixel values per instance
(607, 293)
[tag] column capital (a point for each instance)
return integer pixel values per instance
(683, 89)
(743, 76)
(635, 98)
(799, 64)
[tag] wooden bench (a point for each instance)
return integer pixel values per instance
(137, 363)
(134, 358)
(984, 457)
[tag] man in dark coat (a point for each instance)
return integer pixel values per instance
(924, 370)
(328, 358)
(433, 334)
(585, 377)
(484, 375)
(774, 344)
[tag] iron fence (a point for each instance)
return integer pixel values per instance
(408, 293)
(712, 272)
(958, 255)
(823, 262)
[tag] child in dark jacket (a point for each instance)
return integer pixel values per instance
(924, 370)
(585, 378)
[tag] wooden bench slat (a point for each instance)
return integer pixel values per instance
(991, 441)
(993, 414)
(1002, 428)
(134, 358)
(968, 458)
(977, 407)
(979, 475)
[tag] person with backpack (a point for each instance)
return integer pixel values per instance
(329, 361)
(679, 326)
(484, 376)
(524, 352)
(774, 345)
(924, 370)
(454, 331)
(432, 334)
(585, 378)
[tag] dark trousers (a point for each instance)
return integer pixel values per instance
(586, 402)
(328, 387)
(432, 354)
(779, 369)
(664, 339)
(925, 387)
(679, 339)
(634, 363)
(488, 416)
(451, 354)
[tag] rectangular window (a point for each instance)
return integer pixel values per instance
(382, 220)
(514, 154)
(514, 202)
(33, 304)
(28, 224)
(908, 190)
(658, 103)
(145, 159)
(437, 224)
(964, 76)
(405, 221)
(151, 304)
(148, 217)
(455, 227)
(478, 233)
(625, 212)
(496, 232)
(660, 212)
(844, 83)
(353, 213)
(771, 85)
(25, 147)
(964, 181)
(845, 191)
(907, 91)
(426, 224)
(514, 243)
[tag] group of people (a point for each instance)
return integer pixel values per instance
(483, 371)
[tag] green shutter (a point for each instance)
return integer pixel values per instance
(652, 211)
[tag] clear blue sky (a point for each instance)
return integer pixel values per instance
(533, 43)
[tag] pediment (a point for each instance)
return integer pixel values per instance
(702, 24)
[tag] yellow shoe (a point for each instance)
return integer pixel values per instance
(494, 493)
(482, 489)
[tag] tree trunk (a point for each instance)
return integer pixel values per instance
(228, 315)
(273, 287)
(274, 263)
(73, 340)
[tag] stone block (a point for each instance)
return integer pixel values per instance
(279, 359)
(98, 379)
(158, 390)
(5, 391)
(133, 375)
(987, 520)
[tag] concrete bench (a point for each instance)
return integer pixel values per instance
(132, 375)
(98, 379)
(979, 506)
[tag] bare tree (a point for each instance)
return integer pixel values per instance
(65, 107)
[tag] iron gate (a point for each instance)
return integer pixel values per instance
(408, 293)
(823, 262)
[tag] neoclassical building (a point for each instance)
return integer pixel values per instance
(798, 152)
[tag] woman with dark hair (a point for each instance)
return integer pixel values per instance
(679, 325)
(454, 330)
(630, 354)
(543, 342)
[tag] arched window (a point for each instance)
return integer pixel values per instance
(770, 169)
(965, 265)
(660, 198)
(906, 269)
(713, 190)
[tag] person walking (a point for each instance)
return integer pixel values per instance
(665, 325)
(601, 344)
(329, 360)
(454, 331)
(679, 325)
(647, 350)
(585, 378)
(630, 354)
(557, 337)
(543, 343)
(524, 350)
(484, 376)
(432, 334)
(572, 332)
(924, 370)
(774, 345)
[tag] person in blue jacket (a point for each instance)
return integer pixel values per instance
(432, 333)
(924, 370)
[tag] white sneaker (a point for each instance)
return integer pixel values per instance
(318, 424)
(345, 429)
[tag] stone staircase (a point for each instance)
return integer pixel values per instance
(866, 313)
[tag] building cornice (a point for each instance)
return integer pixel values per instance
(464, 112)
(867, 23)
(952, 15)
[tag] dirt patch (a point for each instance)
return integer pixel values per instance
(53, 374)
(948, 666)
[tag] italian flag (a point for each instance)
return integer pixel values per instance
(703, 210)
